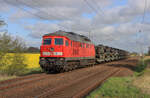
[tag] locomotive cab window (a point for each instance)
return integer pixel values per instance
(67, 43)
(47, 41)
(58, 41)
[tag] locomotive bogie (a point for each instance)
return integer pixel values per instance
(62, 64)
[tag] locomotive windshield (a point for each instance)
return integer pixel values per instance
(47, 41)
(58, 41)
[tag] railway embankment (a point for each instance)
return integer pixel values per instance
(76, 83)
(135, 86)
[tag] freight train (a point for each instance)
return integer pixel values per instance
(64, 51)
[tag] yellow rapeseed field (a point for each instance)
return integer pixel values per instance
(32, 60)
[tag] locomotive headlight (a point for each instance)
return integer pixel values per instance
(46, 53)
(53, 53)
(58, 53)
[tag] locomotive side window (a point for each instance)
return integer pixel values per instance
(47, 41)
(58, 41)
(87, 46)
(71, 43)
(67, 43)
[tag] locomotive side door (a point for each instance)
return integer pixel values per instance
(67, 49)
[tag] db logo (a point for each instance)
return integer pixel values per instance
(51, 49)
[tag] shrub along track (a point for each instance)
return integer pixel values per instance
(69, 84)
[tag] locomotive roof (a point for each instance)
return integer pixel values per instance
(71, 35)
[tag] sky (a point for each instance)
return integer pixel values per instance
(116, 23)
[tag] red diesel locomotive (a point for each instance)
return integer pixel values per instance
(63, 51)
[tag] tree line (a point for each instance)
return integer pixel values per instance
(12, 60)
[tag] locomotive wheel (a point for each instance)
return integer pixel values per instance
(63, 68)
(46, 70)
(66, 67)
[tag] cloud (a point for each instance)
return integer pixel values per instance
(118, 26)
(55, 9)
(39, 29)
(4, 7)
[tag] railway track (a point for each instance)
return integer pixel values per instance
(19, 78)
(75, 90)
(76, 84)
(98, 83)
(9, 84)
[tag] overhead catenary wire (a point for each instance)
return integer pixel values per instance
(48, 14)
(96, 11)
(99, 7)
(37, 9)
(68, 28)
(25, 10)
(21, 8)
(93, 8)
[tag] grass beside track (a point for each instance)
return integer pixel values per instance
(33, 71)
(117, 87)
(143, 81)
(137, 86)
(27, 72)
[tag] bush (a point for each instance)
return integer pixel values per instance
(141, 66)
(11, 64)
(15, 65)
